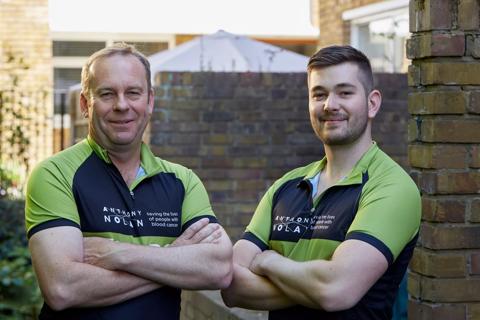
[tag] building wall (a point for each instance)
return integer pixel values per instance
(333, 30)
(241, 131)
(389, 128)
(444, 152)
(25, 81)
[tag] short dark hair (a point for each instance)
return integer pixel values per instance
(120, 48)
(334, 55)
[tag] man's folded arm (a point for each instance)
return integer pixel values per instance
(249, 290)
(332, 285)
(194, 264)
(66, 281)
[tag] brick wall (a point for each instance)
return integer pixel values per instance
(238, 131)
(333, 30)
(241, 131)
(389, 128)
(25, 79)
(444, 152)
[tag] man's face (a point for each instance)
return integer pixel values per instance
(119, 103)
(338, 104)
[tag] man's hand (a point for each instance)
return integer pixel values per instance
(249, 289)
(200, 232)
(262, 260)
(98, 252)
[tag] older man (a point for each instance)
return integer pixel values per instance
(114, 231)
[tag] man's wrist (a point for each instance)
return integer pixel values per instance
(270, 262)
(120, 255)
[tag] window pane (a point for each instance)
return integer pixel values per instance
(76, 48)
(383, 41)
(63, 79)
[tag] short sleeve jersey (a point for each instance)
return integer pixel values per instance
(80, 187)
(377, 203)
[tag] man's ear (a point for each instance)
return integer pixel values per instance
(374, 101)
(84, 104)
(151, 101)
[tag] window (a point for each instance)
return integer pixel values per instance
(380, 31)
(63, 78)
(76, 48)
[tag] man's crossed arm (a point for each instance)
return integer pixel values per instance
(268, 281)
(86, 272)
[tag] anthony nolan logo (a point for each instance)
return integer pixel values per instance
(285, 224)
(126, 218)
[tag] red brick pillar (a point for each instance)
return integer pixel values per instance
(444, 152)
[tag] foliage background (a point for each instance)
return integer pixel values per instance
(19, 294)
(21, 102)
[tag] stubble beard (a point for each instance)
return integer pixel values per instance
(347, 136)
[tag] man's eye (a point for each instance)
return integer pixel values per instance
(318, 96)
(133, 93)
(346, 93)
(106, 94)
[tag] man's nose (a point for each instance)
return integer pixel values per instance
(331, 103)
(121, 104)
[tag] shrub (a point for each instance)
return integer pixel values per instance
(19, 294)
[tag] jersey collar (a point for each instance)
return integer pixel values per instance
(355, 176)
(99, 150)
(147, 158)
